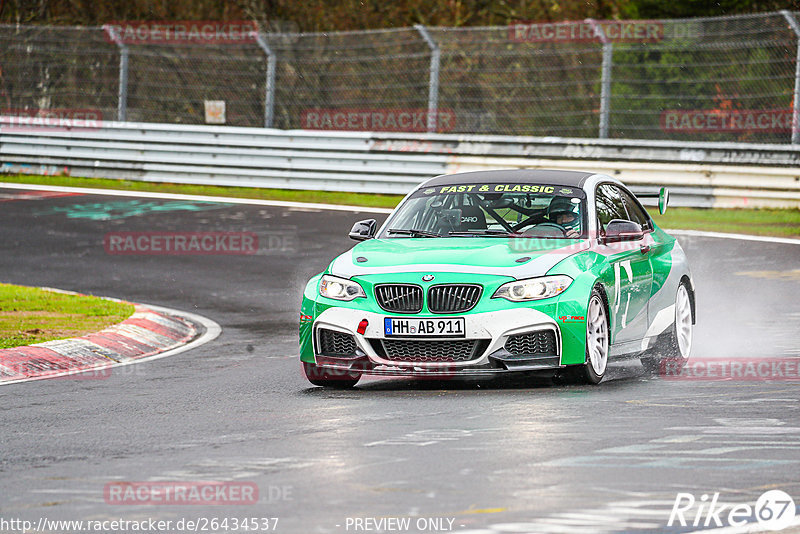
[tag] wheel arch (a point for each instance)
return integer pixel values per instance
(600, 287)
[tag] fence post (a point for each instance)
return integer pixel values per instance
(433, 84)
(269, 97)
(605, 80)
(796, 101)
(122, 94)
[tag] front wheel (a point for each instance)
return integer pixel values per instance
(597, 344)
(331, 378)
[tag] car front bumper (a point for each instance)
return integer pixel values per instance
(488, 332)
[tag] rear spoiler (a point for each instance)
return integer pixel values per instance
(662, 196)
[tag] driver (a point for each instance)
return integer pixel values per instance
(560, 211)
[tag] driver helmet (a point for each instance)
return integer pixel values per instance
(560, 211)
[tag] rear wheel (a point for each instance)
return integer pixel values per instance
(597, 344)
(671, 352)
(331, 378)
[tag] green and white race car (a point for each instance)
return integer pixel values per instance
(489, 272)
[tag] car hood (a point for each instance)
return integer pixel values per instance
(485, 255)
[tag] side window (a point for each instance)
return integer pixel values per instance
(609, 205)
(635, 211)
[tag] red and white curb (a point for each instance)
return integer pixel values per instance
(152, 332)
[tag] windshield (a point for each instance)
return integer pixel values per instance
(490, 210)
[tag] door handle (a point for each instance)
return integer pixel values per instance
(644, 249)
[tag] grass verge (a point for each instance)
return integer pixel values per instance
(31, 315)
(766, 222)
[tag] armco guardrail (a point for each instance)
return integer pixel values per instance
(699, 174)
(251, 157)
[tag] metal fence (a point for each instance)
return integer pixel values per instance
(728, 79)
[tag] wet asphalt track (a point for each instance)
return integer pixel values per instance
(530, 456)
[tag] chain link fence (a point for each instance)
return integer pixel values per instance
(731, 79)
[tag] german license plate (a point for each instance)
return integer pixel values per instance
(430, 327)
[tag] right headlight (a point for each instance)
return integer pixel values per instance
(337, 288)
(538, 288)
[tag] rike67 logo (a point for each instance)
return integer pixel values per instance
(774, 510)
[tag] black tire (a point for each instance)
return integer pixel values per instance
(591, 372)
(329, 378)
(670, 355)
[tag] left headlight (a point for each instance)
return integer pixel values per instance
(337, 288)
(533, 288)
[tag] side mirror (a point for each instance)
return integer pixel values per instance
(363, 230)
(663, 200)
(621, 230)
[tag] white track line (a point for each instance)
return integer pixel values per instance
(742, 237)
(213, 330)
(199, 198)
(332, 207)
